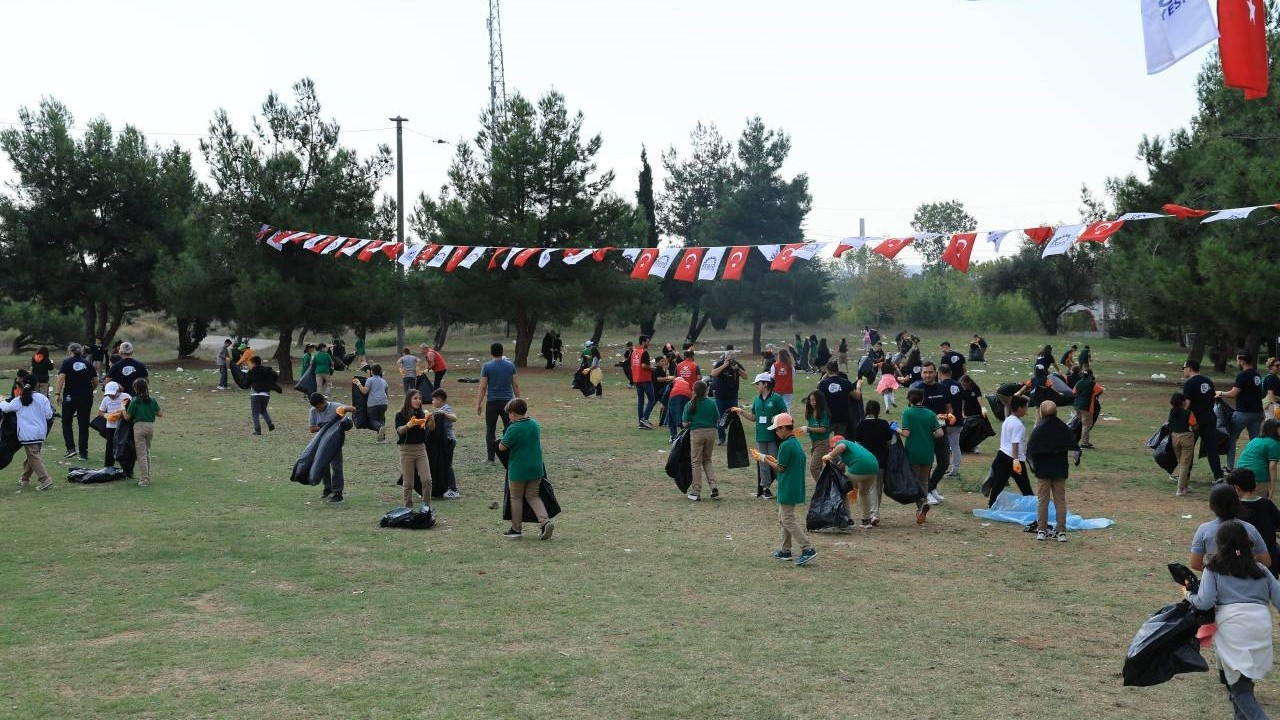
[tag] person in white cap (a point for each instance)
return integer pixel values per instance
(112, 408)
(764, 407)
(789, 464)
(126, 369)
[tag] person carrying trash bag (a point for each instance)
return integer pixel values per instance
(700, 417)
(322, 411)
(766, 406)
(33, 413)
(374, 392)
(111, 409)
(1239, 589)
(412, 424)
(525, 469)
(790, 466)
(1013, 451)
(861, 467)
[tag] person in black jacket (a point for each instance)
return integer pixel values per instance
(1047, 450)
(262, 380)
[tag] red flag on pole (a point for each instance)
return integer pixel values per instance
(689, 264)
(523, 256)
(1183, 213)
(891, 247)
(959, 248)
(1242, 43)
(644, 261)
(458, 254)
(498, 252)
(785, 258)
(1039, 235)
(736, 261)
(1100, 231)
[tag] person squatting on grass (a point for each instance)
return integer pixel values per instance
(1047, 448)
(33, 412)
(1239, 589)
(700, 417)
(525, 469)
(142, 411)
(861, 467)
(789, 465)
(412, 424)
(921, 431)
(764, 407)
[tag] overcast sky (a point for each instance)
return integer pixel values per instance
(1006, 105)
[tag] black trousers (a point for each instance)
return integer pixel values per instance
(78, 408)
(1001, 471)
(493, 410)
(941, 461)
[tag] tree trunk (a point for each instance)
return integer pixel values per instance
(1196, 351)
(284, 363)
(695, 332)
(1251, 344)
(691, 334)
(756, 324)
(190, 332)
(442, 332)
(598, 330)
(23, 343)
(648, 325)
(184, 334)
(525, 328)
(90, 322)
(117, 319)
(1219, 355)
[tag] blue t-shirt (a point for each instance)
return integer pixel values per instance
(78, 378)
(499, 372)
(377, 391)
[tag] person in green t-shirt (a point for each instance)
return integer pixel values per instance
(818, 427)
(361, 360)
(322, 361)
(919, 429)
(142, 410)
(525, 468)
(862, 468)
(700, 417)
(764, 407)
(1262, 455)
(789, 464)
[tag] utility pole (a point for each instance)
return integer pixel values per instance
(399, 121)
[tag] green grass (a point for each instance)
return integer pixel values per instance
(225, 591)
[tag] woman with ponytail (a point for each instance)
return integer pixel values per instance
(143, 410)
(34, 412)
(701, 416)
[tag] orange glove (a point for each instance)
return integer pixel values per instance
(342, 411)
(1017, 467)
(114, 417)
(419, 421)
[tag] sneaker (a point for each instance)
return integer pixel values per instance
(1043, 534)
(875, 521)
(84, 456)
(512, 534)
(452, 494)
(335, 498)
(921, 513)
(806, 555)
(325, 495)
(715, 493)
(45, 484)
(783, 555)
(646, 424)
(144, 483)
(719, 442)
(932, 499)
(70, 454)
(766, 494)
(545, 530)
(1182, 493)
(490, 461)
(257, 432)
(694, 497)
(1062, 537)
(938, 495)
(271, 427)
(865, 524)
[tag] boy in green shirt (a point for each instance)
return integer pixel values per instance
(789, 464)
(523, 440)
(919, 429)
(766, 405)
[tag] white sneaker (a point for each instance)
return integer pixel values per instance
(932, 499)
(452, 494)
(938, 495)
(694, 497)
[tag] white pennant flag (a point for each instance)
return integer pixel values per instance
(315, 241)
(333, 246)
(545, 257)
(471, 258)
(441, 256)
(1062, 239)
(662, 263)
(1141, 216)
(808, 251)
(574, 259)
(511, 255)
(411, 253)
(1173, 29)
(995, 237)
(769, 251)
(631, 254)
(926, 235)
(357, 247)
(1232, 214)
(711, 262)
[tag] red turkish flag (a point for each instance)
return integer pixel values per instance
(1039, 235)
(366, 254)
(1242, 43)
(891, 247)
(689, 264)
(497, 255)
(427, 253)
(1100, 231)
(392, 250)
(644, 261)
(842, 248)
(959, 248)
(1183, 213)
(599, 254)
(785, 258)
(735, 262)
(523, 256)
(323, 244)
(458, 254)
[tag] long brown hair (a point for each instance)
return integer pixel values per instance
(141, 391)
(408, 410)
(1235, 553)
(699, 393)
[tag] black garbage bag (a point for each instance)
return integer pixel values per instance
(735, 443)
(122, 448)
(1165, 645)
(1161, 444)
(997, 406)
(973, 430)
(403, 517)
(99, 424)
(437, 459)
(307, 383)
(360, 402)
(829, 507)
(679, 462)
(238, 375)
(320, 450)
(545, 491)
(91, 476)
(425, 387)
(976, 354)
(866, 368)
(899, 482)
(9, 444)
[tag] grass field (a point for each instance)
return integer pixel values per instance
(225, 591)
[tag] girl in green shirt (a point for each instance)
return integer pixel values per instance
(818, 426)
(523, 440)
(142, 410)
(700, 417)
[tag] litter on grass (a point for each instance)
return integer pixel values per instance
(1021, 510)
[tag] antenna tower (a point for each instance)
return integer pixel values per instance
(497, 80)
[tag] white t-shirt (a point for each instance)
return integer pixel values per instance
(1013, 431)
(112, 405)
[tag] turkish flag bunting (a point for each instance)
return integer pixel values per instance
(334, 245)
(785, 258)
(315, 240)
(891, 247)
(644, 261)
(367, 253)
(1100, 231)
(959, 248)
(1242, 43)
(598, 255)
(523, 256)
(736, 261)
(276, 239)
(573, 256)
(391, 250)
(1039, 235)
(426, 255)
(497, 255)
(458, 254)
(353, 246)
(299, 237)
(689, 264)
(849, 244)
(264, 231)
(1183, 213)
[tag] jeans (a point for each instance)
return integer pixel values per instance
(675, 413)
(222, 376)
(722, 407)
(79, 409)
(1241, 421)
(333, 479)
(493, 410)
(452, 479)
(953, 443)
(645, 392)
(258, 408)
(410, 383)
(1243, 704)
(764, 473)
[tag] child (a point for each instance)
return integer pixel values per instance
(701, 417)
(1013, 452)
(523, 439)
(408, 364)
(412, 425)
(888, 383)
(375, 390)
(789, 465)
(1258, 511)
(861, 466)
(322, 411)
(919, 429)
(112, 408)
(41, 366)
(818, 426)
(1183, 440)
(446, 415)
(142, 411)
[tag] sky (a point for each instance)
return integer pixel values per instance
(1006, 105)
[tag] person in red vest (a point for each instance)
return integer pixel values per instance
(687, 369)
(642, 377)
(435, 363)
(784, 371)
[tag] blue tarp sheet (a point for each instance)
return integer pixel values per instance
(1011, 507)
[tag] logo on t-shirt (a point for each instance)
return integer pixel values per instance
(126, 371)
(833, 388)
(79, 366)
(1204, 388)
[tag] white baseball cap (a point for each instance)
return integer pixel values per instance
(112, 388)
(763, 377)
